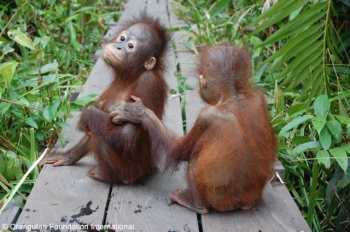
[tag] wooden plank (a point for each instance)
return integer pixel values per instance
(147, 207)
(111, 31)
(194, 104)
(172, 117)
(187, 62)
(179, 38)
(11, 212)
(277, 212)
(174, 20)
(60, 193)
(158, 8)
(132, 9)
(99, 79)
(170, 75)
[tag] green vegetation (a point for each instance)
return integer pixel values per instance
(46, 50)
(300, 55)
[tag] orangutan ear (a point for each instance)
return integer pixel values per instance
(150, 63)
(202, 82)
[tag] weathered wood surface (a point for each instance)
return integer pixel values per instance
(11, 212)
(147, 206)
(275, 213)
(67, 196)
(60, 193)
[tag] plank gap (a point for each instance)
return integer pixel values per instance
(199, 221)
(182, 97)
(109, 197)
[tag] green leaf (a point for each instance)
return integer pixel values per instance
(21, 38)
(340, 156)
(293, 45)
(295, 14)
(4, 106)
(304, 20)
(319, 123)
(311, 80)
(22, 101)
(71, 18)
(277, 122)
(256, 41)
(306, 147)
(296, 109)
(49, 67)
(48, 114)
(84, 100)
(60, 136)
(343, 120)
(325, 138)
(10, 165)
(295, 122)
(7, 49)
(300, 139)
(335, 127)
(346, 147)
(272, 10)
(48, 79)
(7, 71)
(301, 60)
(304, 70)
(28, 71)
(316, 85)
(43, 40)
(300, 45)
(86, 9)
(278, 16)
(259, 73)
(323, 157)
(54, 107)
(39, 54)
(31, 122)
(279, 96)
(220, 5)
(72, 32)
(322, 105)
(62, 124)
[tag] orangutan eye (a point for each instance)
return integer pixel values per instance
(130, 45)
(122, 38)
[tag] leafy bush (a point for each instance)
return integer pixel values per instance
(46, 53)
(301, 54)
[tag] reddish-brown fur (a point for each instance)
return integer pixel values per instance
(230, 149)
(124, 152)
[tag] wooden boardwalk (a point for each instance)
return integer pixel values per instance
(65, 198)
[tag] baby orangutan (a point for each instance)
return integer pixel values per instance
(137, 57)
(230, 149)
